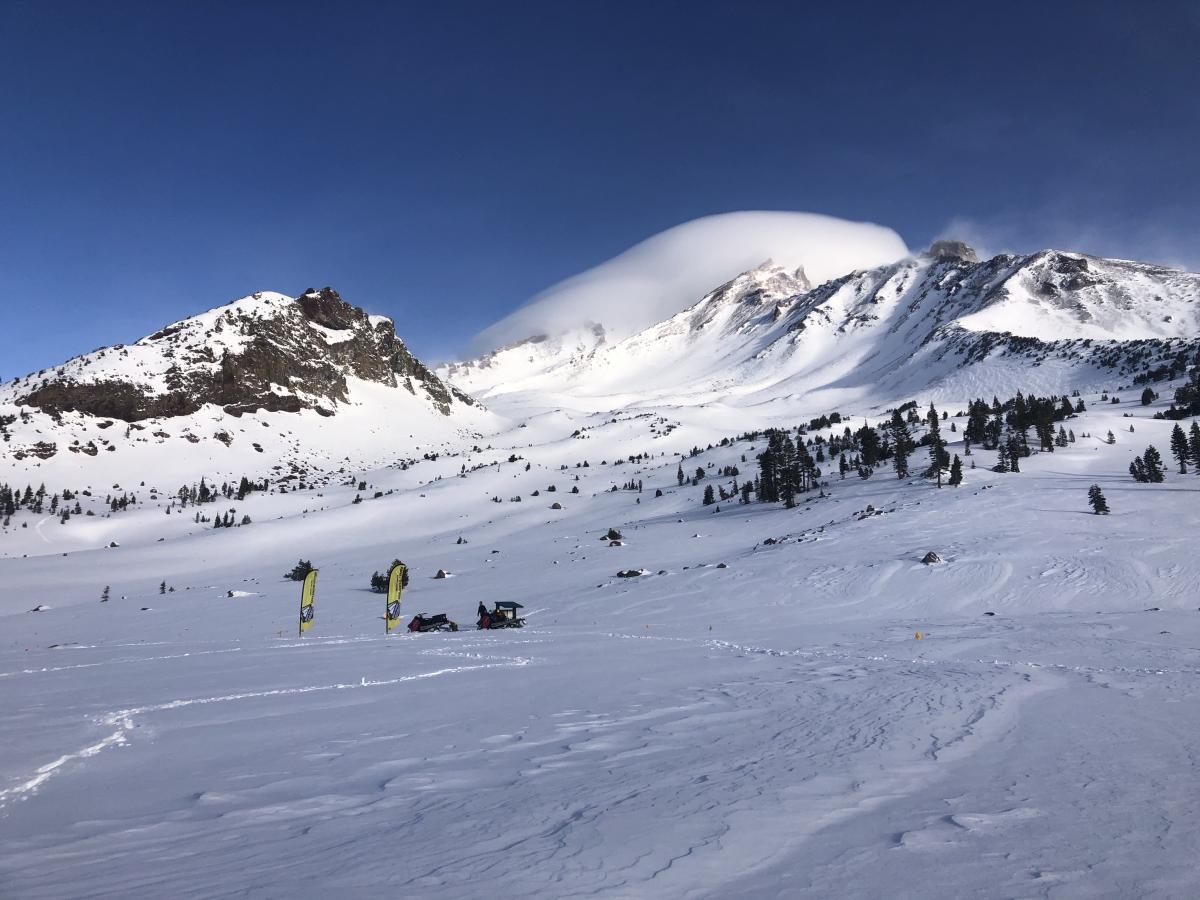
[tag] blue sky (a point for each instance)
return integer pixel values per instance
(441, 163)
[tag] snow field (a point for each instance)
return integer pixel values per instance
(770, 728)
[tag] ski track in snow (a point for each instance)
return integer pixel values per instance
(769, 729)
(126, 719)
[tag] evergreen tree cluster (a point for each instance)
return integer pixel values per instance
(299, 571)
(990, 425)
(379, 582)
(785, 469)
(225, 521)
(1185, 446)
(38, 502)
(1187, 398)
(197, 494)
(1147, 468)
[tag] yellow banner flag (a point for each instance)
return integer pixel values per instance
(391, 613)
(307, 594)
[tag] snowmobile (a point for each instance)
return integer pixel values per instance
(422, 623)
(503, 615)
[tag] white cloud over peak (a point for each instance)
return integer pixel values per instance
(668, 272)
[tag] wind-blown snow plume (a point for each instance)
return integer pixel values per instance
(672, 270)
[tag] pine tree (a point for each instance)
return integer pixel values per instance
(901, 444)
(299, 571)
(1097, 501)
(1154, 466)
(709, 499)
(789, 476)
(679, 474)
(937, 446)
(162, 588)
(104, 595)
(1148, 396)
(1110, 439)
(1194, 442)
(1002, 459)
(1179, 448)
(1014, 453)
(956, 475)
(1137, 469)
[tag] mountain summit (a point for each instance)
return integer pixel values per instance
(941, 322)
(330, 382)
(263, 352)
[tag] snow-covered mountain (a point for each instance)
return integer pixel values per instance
(274, 385)
(941, 323)
(731, 696)
(268, 383)
(661, 275)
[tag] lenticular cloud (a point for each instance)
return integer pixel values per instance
(668, 272)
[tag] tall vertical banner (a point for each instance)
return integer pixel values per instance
(307, 594)
(391, 613)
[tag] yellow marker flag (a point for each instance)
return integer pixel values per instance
(391, 612)
(307, 594)
(918, 635)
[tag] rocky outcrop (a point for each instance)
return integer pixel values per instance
(263, 353)
(953, 250)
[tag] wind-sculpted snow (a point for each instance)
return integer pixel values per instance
(746, 718)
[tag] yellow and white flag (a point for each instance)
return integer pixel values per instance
(391, 613)
(307, 594)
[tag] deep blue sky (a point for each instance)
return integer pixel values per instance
(440, 163)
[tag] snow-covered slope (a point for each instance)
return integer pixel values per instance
(266, 385)
(941, 324)
(752, 717)
(663, 274)
(727, 699)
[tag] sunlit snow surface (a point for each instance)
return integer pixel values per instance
(665, 273)
(767, 729)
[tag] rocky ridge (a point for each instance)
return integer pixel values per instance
(265, 352)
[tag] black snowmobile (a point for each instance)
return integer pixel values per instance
(503, 615)
(423, 623)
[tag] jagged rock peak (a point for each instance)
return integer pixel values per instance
(266, 351)
(767, 278)
(952, 250)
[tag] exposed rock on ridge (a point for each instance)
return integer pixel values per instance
(266, 352)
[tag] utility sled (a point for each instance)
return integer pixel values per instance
(502, 615)
(422, 623)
